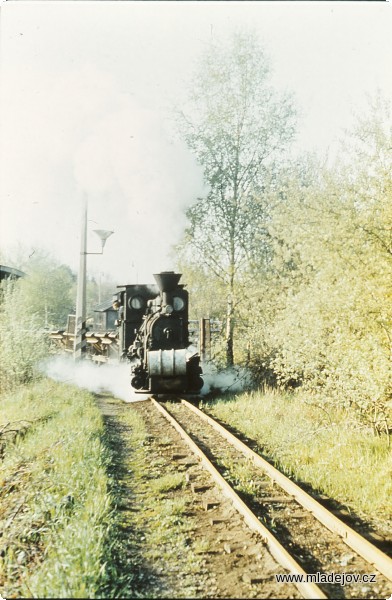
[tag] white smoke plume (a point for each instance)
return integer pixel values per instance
(229, 380)
(112, 378)
(94, 137)
(115, 378)
(139, 181)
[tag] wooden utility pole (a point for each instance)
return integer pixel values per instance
(80, 320)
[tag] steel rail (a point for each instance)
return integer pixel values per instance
(308, 589)
(363, 547)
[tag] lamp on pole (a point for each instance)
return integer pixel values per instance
(80, 320)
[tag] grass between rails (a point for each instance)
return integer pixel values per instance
(318, 446)
(54, 500)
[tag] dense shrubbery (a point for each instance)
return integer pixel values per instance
(23, 340)
(29, 308)
(331, 329)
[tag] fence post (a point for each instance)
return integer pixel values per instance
(205, 339)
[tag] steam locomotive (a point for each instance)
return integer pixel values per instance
(150, 331)
(154, 337)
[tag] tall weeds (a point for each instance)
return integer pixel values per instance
(55, 508)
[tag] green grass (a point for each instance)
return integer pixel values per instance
(88, 511)
(55, 505)
(172, 481)
(316, 444)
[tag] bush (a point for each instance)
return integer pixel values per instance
(23, 343)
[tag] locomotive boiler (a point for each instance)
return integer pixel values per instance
(154, 336)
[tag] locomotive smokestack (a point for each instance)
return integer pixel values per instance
(167, 281)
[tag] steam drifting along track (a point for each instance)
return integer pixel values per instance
(304, 532)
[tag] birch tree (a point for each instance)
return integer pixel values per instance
(238, 127)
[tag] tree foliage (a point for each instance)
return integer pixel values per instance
(331, 330)
(29, 308)
(49, 290)
(238, 126)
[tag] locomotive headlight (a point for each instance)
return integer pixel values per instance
(178, 303)
(168, 309)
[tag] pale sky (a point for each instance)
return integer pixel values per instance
(85, 92)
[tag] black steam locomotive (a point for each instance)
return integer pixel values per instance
(154, 337)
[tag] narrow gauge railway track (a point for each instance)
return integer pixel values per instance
(302, 535)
